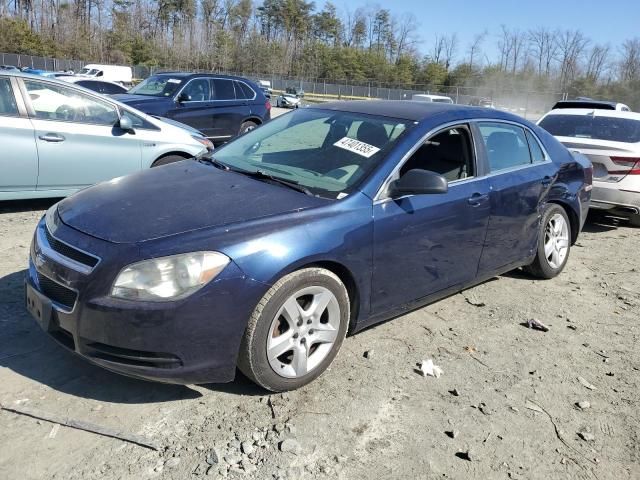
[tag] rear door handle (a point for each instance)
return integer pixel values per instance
(52, 137)
(477, 199)
(546, 181)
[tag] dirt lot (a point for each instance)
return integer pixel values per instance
(505, 407)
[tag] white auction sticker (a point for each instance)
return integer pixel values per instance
(356, 146)
(173, 80)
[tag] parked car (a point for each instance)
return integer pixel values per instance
(265, 85)
(9, 67)
(100, 86)
(611, 140)
(431, 98)
(109, 73)
(58, 138)
(287, 100)
(295, 91)
(219, 106)
(323, 221)
(593, 104)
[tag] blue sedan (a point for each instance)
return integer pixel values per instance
(266, 253)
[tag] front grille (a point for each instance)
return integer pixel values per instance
(136, 358)
(58, 293)
(70, 252)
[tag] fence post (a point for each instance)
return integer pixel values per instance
(457, 94)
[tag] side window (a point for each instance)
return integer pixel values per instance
(506, 145)
(537, 155)
(8, 104)
(137, 121)
(240, 94)
(223, 89)
(248, 91)
(51, 102)
(447, 153)
(198, 90)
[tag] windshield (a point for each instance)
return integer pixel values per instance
(157, 86)
(327, 152)
(611, 129)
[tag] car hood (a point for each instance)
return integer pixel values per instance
(173, 199)
(137, 100)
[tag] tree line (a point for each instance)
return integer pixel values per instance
(295, 38)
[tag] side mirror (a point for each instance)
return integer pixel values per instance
(125, 124)
(183, 97)
(418, 182)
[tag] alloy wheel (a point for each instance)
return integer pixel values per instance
(556, 240)
(303, 332)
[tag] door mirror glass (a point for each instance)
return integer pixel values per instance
(126, 124)
(418, 182)
(184, 97)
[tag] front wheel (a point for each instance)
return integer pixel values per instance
(554, 243)
(296, 330)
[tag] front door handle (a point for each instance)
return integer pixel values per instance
(546, 181)
(52, 137)
(477, 199)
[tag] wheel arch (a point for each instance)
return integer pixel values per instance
(178, 153)
(574, 219)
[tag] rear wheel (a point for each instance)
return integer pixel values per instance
(247, 127)
(296, 330)
(554, 243)
(166, 160)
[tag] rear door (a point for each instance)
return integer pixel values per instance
(230, 111)
(19, 157)
(78, 144)
(520, 177)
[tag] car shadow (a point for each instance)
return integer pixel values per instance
(29, 352)
(16, 206)
(599, 222)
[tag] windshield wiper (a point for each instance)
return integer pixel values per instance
(213, 161)
(261, 175)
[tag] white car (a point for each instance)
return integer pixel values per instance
(611, 140)
(431, 98)
(111, 73)
(288, 100)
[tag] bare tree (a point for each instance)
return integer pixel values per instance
(505, 45)
(438, 49)
(475, 47)
(597, 62)
(450, 49)
(543, 46)
(630, 61)
(571, 47)
(405, 34)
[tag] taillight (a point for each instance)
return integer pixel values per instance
(268, 105)
(632, 163)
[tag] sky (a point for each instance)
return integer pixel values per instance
(604, 21)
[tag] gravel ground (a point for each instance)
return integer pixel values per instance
(512, 402)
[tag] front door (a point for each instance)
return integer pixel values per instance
(78, 144)
(195, 107)
(427, 243)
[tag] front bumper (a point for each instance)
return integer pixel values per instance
(190, 341)
(606, 196)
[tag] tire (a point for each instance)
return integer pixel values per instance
(554, 237)
(167, 160)
(298, 358)
(247, 127)
(634, 221)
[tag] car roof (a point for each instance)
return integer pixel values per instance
(587, 103)
(596, 112)
(415, 110)
(193, 75)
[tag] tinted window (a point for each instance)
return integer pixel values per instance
(223, 89)
(51, 102)
(537, 154)
(506, 145)
(240, 94)
(248, 91)
(7, 100)
(447, 153)
(590, 126)
(197, 90)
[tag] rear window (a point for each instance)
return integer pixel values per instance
(596, 127)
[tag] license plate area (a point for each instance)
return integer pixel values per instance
(39, 307)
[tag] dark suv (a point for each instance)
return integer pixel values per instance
(220, 106)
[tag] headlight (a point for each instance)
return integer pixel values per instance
(168, 278)
(204, 141)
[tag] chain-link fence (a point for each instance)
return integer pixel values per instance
(530, 104)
